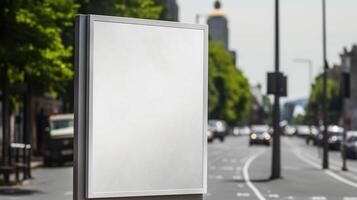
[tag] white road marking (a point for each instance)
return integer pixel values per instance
(335, 166)
(276, 196)
(219, 177)
(212, 167)
(246, 175)
(243, 194)
(236, 177)
(328, 172)
(318, 198)
(349, 198)
(240, 185)
(290, 197)
(68, 193)
(227, 168)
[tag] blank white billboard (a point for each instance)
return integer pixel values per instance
(147, 108)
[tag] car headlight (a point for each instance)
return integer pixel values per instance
(267, 137)
(253, 136)
(333, 139)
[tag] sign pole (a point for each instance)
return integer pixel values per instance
(276, 164)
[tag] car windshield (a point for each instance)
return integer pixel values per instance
(352, 139)
(335, 133)
(259, 132)
(216, 125)
(62, 123)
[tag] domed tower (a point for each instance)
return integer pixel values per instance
(217, 23)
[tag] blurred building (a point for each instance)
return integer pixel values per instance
(218, 28)
(293, 108)
(349, 64)
(171, 10)
(260, 106)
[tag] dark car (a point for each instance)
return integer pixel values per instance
(219, 129)
(335, 135)
(351, 146)
(302, 130)
(259, 136)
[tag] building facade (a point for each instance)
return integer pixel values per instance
(218, 28)
(171, 10)
(349, 65)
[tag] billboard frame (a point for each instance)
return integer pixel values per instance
(83, 77)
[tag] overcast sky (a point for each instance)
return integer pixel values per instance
(251, 30)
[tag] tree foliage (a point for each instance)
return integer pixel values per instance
(31, 42)
(229, 93)
(315, 106)
(146, 9)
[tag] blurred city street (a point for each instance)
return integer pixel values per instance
(235, 171)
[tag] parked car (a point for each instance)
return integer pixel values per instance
(289, 130)
(210, 136)
(260, 135)
(302, 130)
(244, 130)
(351, 145)
(235, 131)
(219, 129)
(58, 147)
(335, 134)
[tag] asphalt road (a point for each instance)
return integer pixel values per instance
(235, 171)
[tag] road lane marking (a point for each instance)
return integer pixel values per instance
(227, 168)
(335, 167)
(240, 185)
(328, 172)
(212, 167)
(349, 198)
(318, 198)
(333, 160)
(340, 178)
(273, 196)
(243, 194)
(236, 177)
(246, 175)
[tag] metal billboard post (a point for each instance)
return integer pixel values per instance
(276, 158)
(83, 110)
(325, 157)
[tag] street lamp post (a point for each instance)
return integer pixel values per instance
(276, 162)
(325, 160)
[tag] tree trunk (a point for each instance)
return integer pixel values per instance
(5, 117)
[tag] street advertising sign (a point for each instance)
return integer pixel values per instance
(141, 108)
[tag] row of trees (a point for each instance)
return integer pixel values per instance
(229, 91)
(334, 99)
(36, 55)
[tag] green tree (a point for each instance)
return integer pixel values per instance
(229, 93)
(314, 106)
(33, 54)
(146, 9)
(31, 43)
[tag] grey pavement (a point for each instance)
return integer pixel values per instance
(235, 171)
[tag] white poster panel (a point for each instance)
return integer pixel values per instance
(147, 108)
